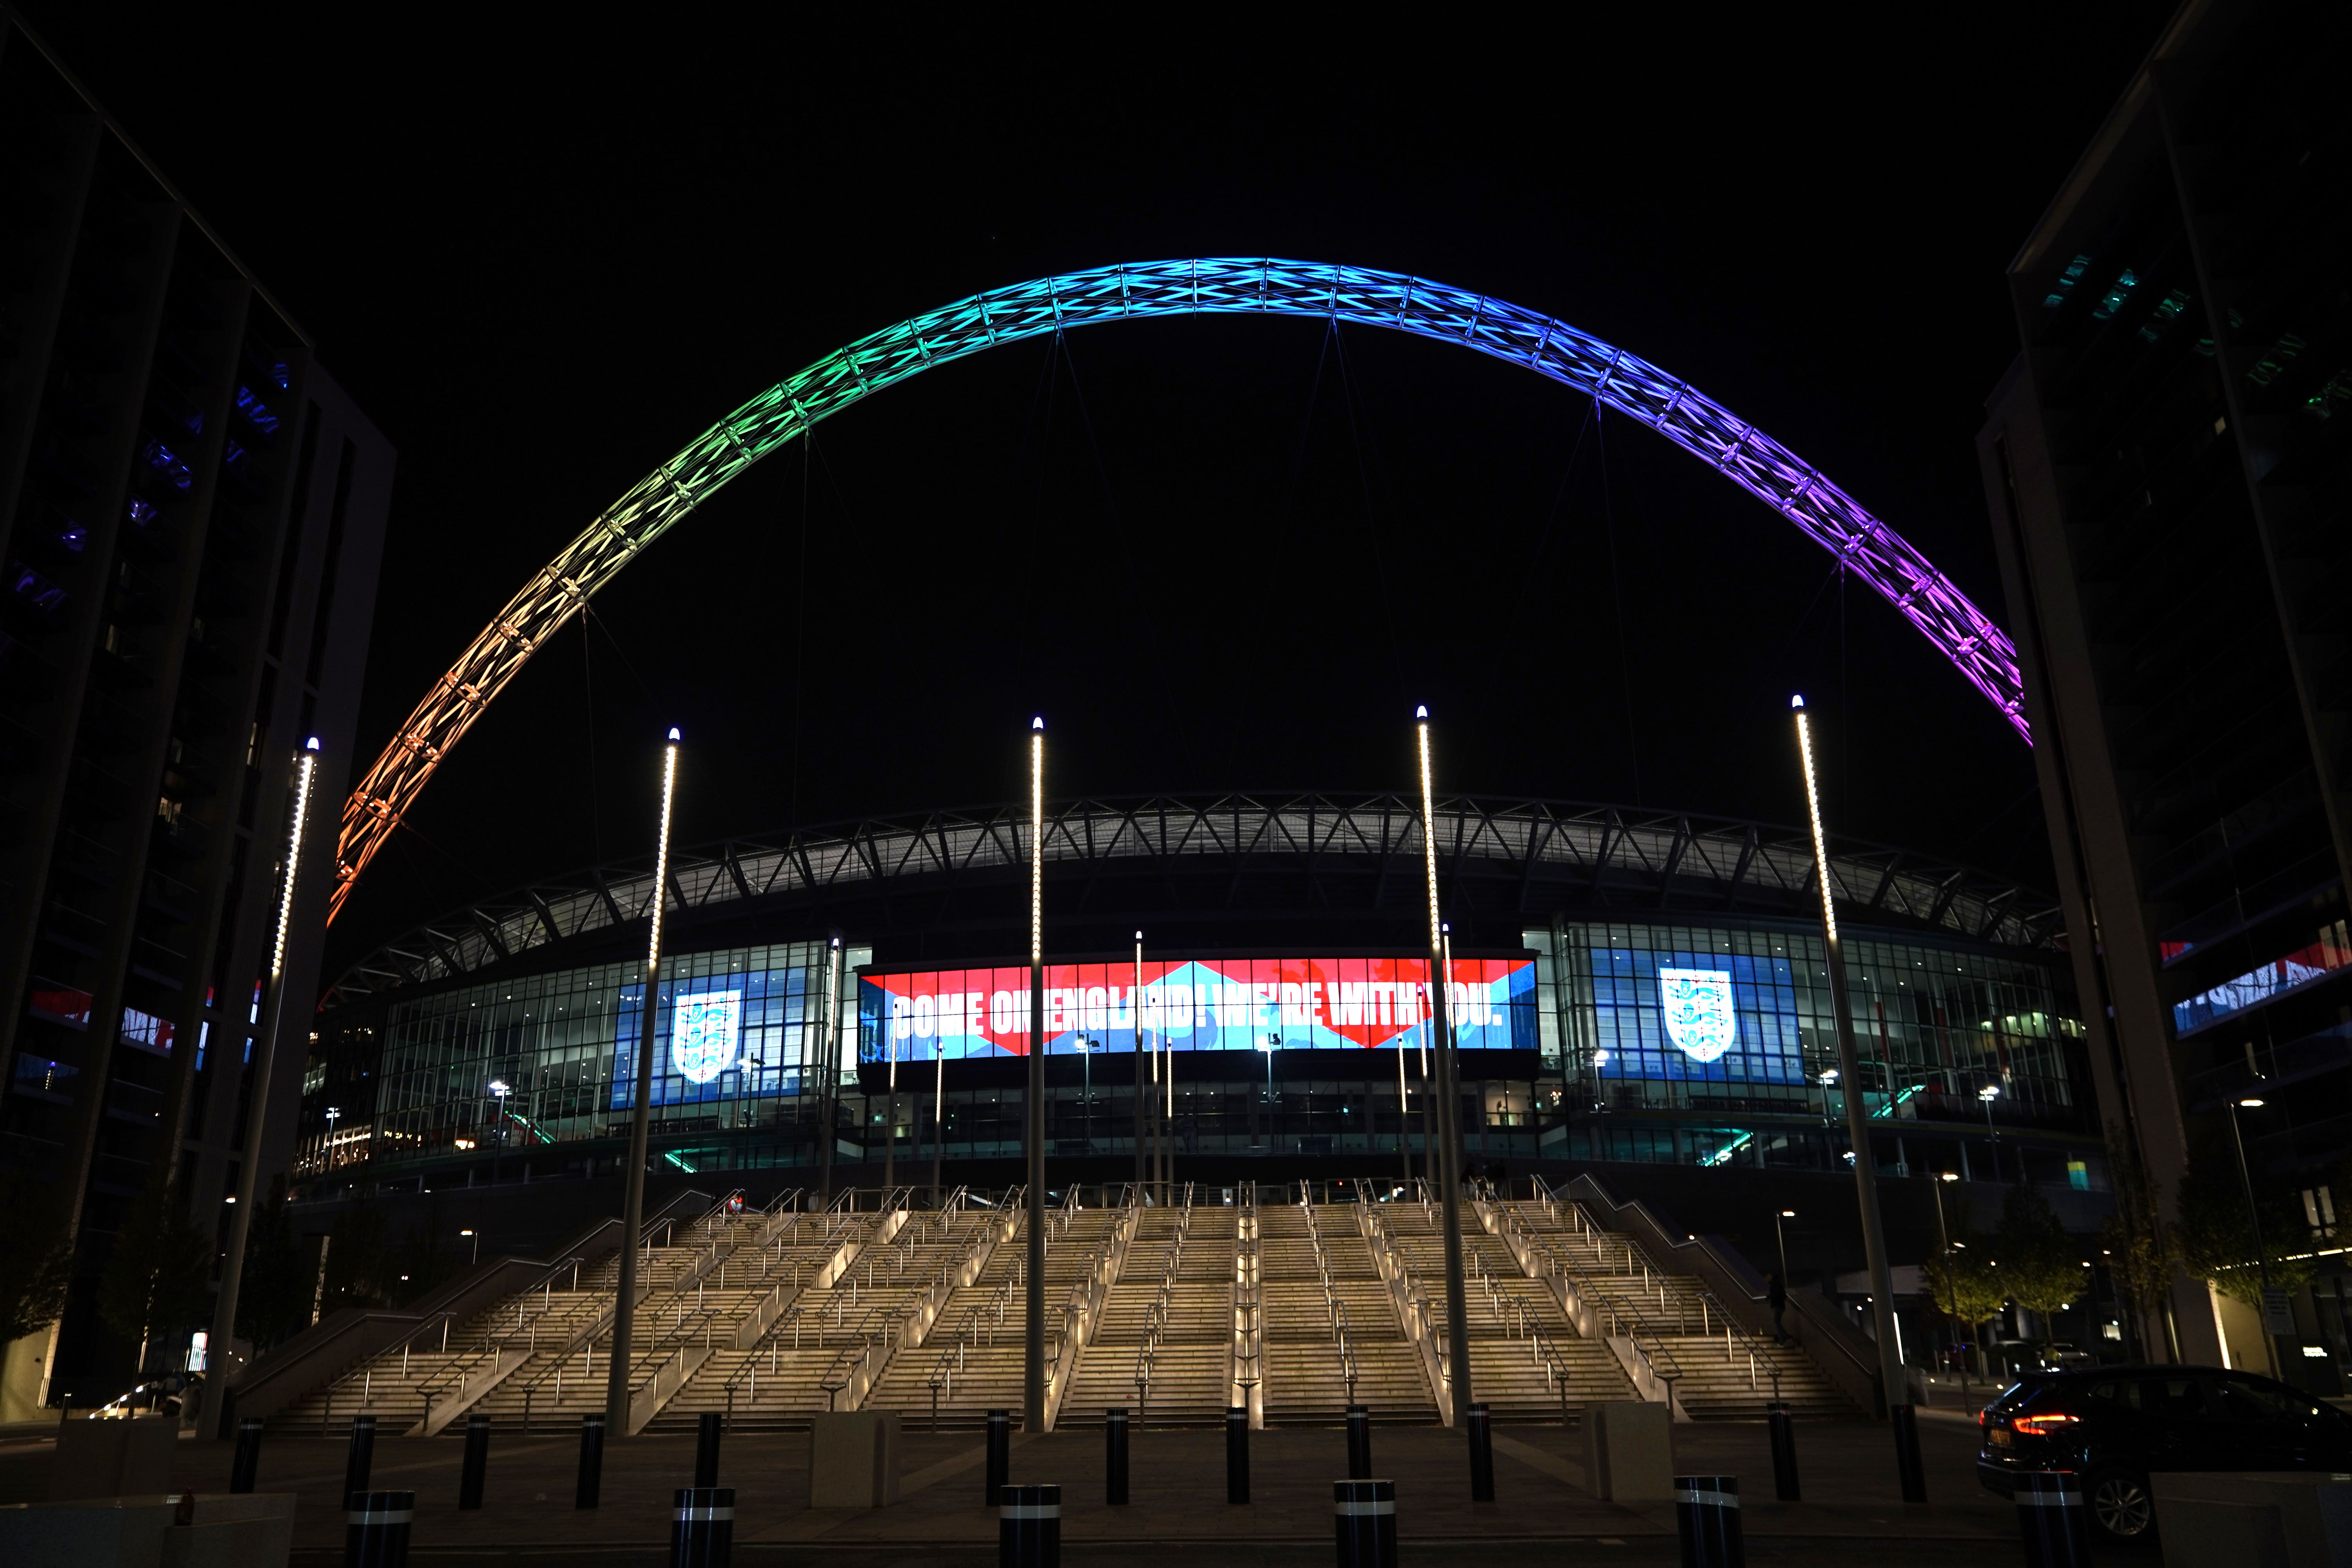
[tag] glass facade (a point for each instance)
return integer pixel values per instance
(1934, 1028)
(739, 1035)
(1707, 1044)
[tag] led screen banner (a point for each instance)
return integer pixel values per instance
(1193, 1005)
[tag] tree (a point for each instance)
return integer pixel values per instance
(1963, 1285)
(2218, 1240)
(2143, 1252)
(157, 1278)
(35, 1255)
(2041, 1265)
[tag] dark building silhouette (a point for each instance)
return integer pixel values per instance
(2165, 469)
(191, 518)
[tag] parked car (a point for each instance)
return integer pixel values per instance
(2063, 1355)
(2115, 1426)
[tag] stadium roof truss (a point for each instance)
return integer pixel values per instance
(1645, 862)
(1872, 551)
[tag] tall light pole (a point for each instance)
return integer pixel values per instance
(1858, 1113)
(475, 1256)
(1951, 1290)
(2254, 1218)
(633, 1206)
(890, 1115)
(1134, 1016)
(1033, 1387)
(1404, 1116)
(1449, 1104)
(223, 1334)
(828, 1075)
(939, 1111)
(1781, 1243)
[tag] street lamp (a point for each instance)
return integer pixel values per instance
(478, 1245)
(1272, 1043)
(1781, 1243)
(1087, 1095)
(333, 1115)
(1944, 1236)
(2254, 1218)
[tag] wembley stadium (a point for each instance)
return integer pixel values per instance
(1235, 990)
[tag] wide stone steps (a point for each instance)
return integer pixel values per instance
(1307, 1383)
(991, 1375)
(1191, 1367)
(780, 1385)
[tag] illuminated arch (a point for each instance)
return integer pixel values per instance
(1981, 650)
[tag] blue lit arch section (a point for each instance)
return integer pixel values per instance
(1874, 552)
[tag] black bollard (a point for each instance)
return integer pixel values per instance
(1114, 1456)
(1360, 1442)
(1784, 1452)
(1906, 1454)
(1706, 1518)
(705, 1449)
(375, 1529)
(1481, 1454)
(361, 1454)
(1363, 1515)
(1029, 1527)
(477, 1459)
(592, 1462)
(2052, 1519)
(1000, 1455)
(1237, 1454)
(241, 1470)
(702, 1529)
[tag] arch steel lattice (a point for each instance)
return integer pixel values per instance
(1981, 650)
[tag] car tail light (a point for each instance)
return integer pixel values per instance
(2040, 1426)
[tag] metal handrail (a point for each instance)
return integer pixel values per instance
(1625, 1320)
(1155, 1316)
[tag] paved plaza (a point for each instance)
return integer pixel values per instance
(1178, 1513)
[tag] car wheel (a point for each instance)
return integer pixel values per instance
(2121, 1506)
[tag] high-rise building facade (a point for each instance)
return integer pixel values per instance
(2167, 471)
(191, 518)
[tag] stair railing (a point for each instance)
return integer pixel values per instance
(1155, 1316)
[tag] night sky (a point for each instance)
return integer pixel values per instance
(1219, 553)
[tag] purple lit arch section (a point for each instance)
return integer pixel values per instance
(1981, 650)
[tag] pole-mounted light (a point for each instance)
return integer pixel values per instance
(1813, 814)
(1449, 1108)
(224, 1330)
(1036, 844)
(633, 1206)
(1033, 1393)
(1849, 1073)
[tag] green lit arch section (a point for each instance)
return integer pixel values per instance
(1981, 650)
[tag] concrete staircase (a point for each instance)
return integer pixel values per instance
(842, 1331)
(1175, 1302)
(973, 1360)
(1719, 1370)
(1528, 1362)
(1332, 1336)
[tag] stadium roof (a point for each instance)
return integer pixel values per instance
(1603, 860)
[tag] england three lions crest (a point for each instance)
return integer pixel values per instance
(704, 1033)
(1697, 1005)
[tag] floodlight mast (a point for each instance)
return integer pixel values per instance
(224, 1334)
(633, 1206)
(1448, 1163)
(1032, 1388)
(1849, 1071)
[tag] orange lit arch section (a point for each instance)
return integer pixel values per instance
(1872, 552)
